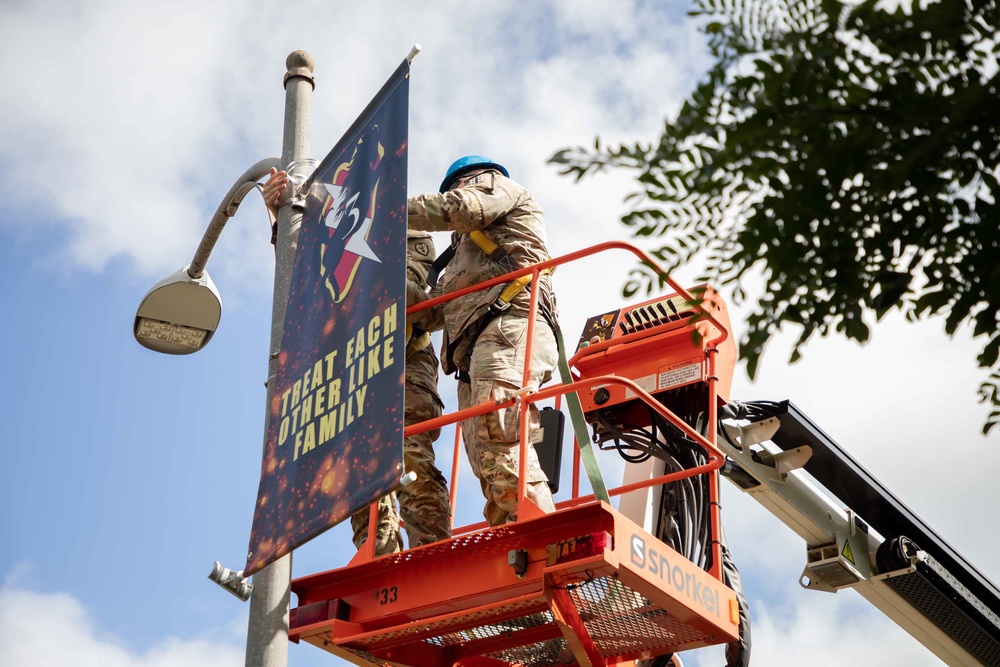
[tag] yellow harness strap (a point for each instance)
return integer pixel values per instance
(496, 253)
(499, 255)
(415, 344)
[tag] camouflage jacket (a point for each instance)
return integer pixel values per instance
(420, 256)
(506, 213)
(421, 366)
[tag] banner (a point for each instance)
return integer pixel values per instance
(335, 428)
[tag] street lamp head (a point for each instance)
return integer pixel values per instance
(179, 315)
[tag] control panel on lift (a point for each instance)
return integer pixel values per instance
(660, 344)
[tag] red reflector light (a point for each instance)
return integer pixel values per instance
(318, 611)
(575, 548)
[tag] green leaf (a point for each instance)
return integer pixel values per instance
(892, 288)
(858, 180)
(931, 302)
(990, 353)
(986, 322)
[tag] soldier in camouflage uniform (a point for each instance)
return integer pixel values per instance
(424, 504)
(485, 347)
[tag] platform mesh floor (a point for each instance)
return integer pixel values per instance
(623, 622)
(620, 621)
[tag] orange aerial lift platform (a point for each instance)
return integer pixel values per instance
(585, 585)
(593, 585)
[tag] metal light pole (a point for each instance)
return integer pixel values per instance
(267, 631)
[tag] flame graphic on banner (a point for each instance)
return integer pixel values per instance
(340, 258)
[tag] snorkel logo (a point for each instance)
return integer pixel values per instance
(683, 582)
(638, 551)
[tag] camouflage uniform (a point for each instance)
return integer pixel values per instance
(423, 504)
(493, 361)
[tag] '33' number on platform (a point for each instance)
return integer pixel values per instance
(386, 595)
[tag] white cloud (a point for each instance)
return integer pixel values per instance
(129, 121)
(56, 630)
(830, 630)
(98, 93)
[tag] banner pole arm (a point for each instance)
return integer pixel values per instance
(413, 53)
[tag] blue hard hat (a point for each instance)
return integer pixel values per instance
(468, 163)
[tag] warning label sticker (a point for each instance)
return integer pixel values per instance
(847, 553)
(679, 373)
(647, 383)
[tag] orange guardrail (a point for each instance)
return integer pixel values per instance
(527, 509)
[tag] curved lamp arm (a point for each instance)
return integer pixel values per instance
(227, 209)
(180, 313)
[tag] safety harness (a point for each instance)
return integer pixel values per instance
(501, 303)
(498, 255)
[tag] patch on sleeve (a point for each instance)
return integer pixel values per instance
(422, 248)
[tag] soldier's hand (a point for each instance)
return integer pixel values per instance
(272, 189)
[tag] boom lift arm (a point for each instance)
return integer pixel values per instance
(858, 535)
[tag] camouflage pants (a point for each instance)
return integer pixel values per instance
(423, 504)
(492, 441)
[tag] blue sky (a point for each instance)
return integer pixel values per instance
(124, 474)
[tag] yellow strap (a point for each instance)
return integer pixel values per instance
(484, 242)
(513, 287)
(414, 345)
(421, 342)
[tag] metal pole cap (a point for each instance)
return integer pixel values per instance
(300, 63)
